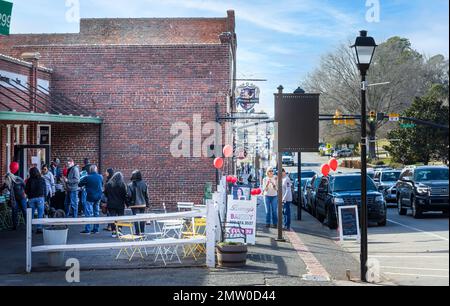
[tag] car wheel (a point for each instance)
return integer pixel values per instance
(416, 211)
(320, 217)
(332, 224)
(401, 210)
(383, 223)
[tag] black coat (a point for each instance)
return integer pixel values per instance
(116, 195)
(36, 188)
(138, 194)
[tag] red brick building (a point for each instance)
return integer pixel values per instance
(115, 89)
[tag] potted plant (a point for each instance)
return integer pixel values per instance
(56, 235)
(231, 254)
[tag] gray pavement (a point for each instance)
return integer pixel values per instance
(270, 263)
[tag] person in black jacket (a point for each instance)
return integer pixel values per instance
(116, 194)
(138, 199)
(36, 190)
(16, 187)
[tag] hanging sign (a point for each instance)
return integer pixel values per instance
(247, 96)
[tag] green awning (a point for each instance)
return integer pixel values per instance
(44, 117)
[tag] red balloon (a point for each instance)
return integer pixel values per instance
(333, 164)
(14, 167)
(253, 192)
(229, 179)
(325, 170)
(218, 163)
(228, 151)
(258, 191)
(234, 181)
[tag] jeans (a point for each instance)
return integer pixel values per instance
(37, 203)
(91, 209)
(139, 227)
(113, 212)
(272, 210)
(83, 195)
(22, 206)
(71, 202)
(287, 214)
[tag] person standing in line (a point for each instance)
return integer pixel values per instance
(35, 189)
(16, 187)
(49, 183)
(71, 182)
(287, 201)
(138, 199)
(93, 184)
(271, 198)
(56, 170)
(116, 194)
(108, 175)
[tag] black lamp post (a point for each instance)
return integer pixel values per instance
(364, 49)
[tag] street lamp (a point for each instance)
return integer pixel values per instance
(364, 48)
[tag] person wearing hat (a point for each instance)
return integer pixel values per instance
(16, 188)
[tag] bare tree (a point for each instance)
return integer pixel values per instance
(338, 81)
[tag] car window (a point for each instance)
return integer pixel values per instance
(431, 175)
(391, 176)
(405, 173)
(350, 183)
(307, 174)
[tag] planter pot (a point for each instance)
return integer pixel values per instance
(55, 237)
(232, 256)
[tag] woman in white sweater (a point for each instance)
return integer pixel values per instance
(270, 190)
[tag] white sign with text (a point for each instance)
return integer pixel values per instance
(241, 217)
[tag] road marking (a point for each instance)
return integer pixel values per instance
(419, 269)
(419, 230)
(315, 269)
(420, 275)
(407, 256)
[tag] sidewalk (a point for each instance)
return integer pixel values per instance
(270, 263)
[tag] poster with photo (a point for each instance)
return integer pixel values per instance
(242, 193)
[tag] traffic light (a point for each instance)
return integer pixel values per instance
(337, 118)
(372, 116)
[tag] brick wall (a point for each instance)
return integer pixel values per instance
(139, 91)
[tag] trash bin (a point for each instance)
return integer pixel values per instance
(55, 237)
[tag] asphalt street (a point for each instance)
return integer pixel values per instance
(409, 251)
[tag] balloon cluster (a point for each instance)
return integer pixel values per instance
(231, 179)
(227, 152)
(331, 166)
(256, 192)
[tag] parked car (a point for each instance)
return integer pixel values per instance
(423, 189)
(307, 174)
(311, 191)
(288, 160)
(345, 190)
(386, 181)
(343, 153)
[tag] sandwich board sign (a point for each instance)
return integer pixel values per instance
(5, 17)
(349, 223)
(241, 214)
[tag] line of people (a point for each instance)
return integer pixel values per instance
(112, 196)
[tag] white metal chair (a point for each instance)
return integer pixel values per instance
(171, 232)
(185, 206)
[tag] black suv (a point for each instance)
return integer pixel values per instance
(423, 189)
(345, 190)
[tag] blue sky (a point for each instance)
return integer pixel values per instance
(281, 41)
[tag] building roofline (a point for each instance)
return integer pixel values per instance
(23, 63)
